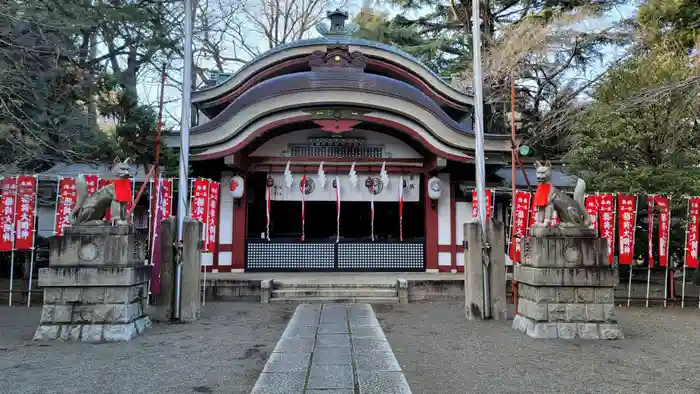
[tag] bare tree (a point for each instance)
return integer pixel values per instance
(283, 21)
(229, 33)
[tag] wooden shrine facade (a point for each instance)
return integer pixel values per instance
(332, 111)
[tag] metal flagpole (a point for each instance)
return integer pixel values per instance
(150, 216)
(513, 153)
(156, 216)
(55, 216)
(668, 258)
(668, 248)
(685, 256)
(14, 237)
(133, 201)
(205, 237)
(33, 251)
(650, 248)
(149, 238)
(634, 228)
(479, 153)
(665, 283)
(182, 206)
(58, 198)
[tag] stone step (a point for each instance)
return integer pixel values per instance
(281, 284)
(334, 292)
(313, 300)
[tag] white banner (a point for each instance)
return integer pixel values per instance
(384, 192)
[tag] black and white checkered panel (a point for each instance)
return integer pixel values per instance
(264, 255)
(385, 256)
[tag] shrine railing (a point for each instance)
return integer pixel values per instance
(346, 255)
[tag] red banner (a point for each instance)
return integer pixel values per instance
(664, 227)
(592, 208)
(165, 198)
(26, 212)
(214, 188)
(200, 200)
(626, 217)
(67, 198)
(164, 210)
(521, 208)
(489, 204)
(650, 218)
(92, 182)
(691, 242)
(8, 199)
(606, 210)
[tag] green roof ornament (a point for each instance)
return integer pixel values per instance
(337, 26)
(525, 150)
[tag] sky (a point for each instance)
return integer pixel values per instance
(149, 86)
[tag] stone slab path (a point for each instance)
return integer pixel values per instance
(332, 349)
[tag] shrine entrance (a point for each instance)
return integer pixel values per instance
(335, 237)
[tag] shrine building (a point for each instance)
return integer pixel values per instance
(380, 146)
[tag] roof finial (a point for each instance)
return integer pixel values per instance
(337, 19)
(337, 27)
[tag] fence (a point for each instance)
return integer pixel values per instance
(34, 209)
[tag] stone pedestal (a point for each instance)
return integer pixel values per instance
(95, 287)
(565, 286)
(191, 287)
(474, 273)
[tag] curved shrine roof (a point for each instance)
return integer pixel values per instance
(335, 80)
(373, 98)
(219, 89)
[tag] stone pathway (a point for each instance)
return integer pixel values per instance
(332, 349)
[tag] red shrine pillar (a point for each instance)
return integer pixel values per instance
(239, 220)
(431, 229)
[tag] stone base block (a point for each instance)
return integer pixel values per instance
(96, 246)
(93, 332)
(569, 277)
(104, 276)
(92, 313)
(571, 252)
(567, 312)
(95, 295)
(550, 330)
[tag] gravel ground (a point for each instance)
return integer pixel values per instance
(439, 350)
(443, 353)
(222, 353)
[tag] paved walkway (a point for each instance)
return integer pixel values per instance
(332, 349)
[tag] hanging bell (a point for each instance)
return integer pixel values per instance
(335, 183)
(369, 182)
(270, 181)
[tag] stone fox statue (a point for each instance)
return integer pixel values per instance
(91, 209)
(548, 199)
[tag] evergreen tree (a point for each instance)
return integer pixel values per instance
(42, 117)
(536, 41)
(53, 56)
(641, 132)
